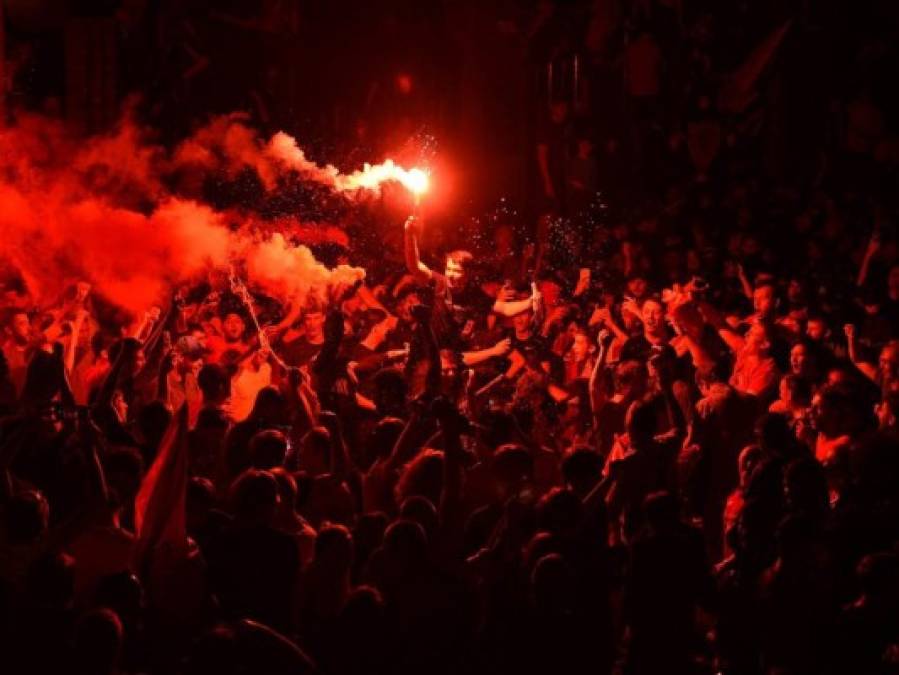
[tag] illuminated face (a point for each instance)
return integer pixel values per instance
(637, 287)
(653, 316)
(816, 329)
(889, 362)
(763, 300)
(837, 377)
(581, 347)
(522, 321)
(404, 309)
(233, 327)
(140, 360)
(798, 359)
(313, 322)
(455, 274)
(21, 327)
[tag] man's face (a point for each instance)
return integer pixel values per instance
(763, 300)
(455, 274)
(233, 327)
(140, 360)
(637, 287)
(313, 322)
(816, 330)
(653, 316)
(404, 309)
(824, 415)
(889, 362)
(522, 321)
(798, 359)
(581, 347)
(21, 327)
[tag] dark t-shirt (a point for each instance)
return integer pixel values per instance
(299, 352)
(637, 348)
(457, 312)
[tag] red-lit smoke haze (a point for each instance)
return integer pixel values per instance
(98, 210)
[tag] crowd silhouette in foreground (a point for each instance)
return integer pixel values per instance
(669, 460)
(653, 433)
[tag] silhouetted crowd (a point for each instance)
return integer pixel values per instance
(655, 431)
(680, 458)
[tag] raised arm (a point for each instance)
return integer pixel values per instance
(865, 368)
(597, 395)
(745, 284)
(713, 317)
(513, 307)
(72, 345)
(870, 252)
(501, 348)
(406, 447)
(416, 267)
(342, 465)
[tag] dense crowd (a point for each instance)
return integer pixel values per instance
(502, 465)
(652, 432)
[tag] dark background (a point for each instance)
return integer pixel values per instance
(356, 80)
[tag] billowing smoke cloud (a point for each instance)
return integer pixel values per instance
(100, 210)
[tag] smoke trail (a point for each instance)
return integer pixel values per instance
(99, 209)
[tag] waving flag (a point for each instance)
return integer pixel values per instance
(160, 519)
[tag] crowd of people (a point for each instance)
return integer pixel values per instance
(688, 466)
(655, 431)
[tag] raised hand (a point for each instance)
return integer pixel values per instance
(631, 306)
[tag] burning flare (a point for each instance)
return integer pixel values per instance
(283, 149)
(372, 176)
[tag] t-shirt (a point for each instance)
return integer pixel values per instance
(299, 352)
(457, 312)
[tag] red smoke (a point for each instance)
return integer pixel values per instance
(99, 210)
